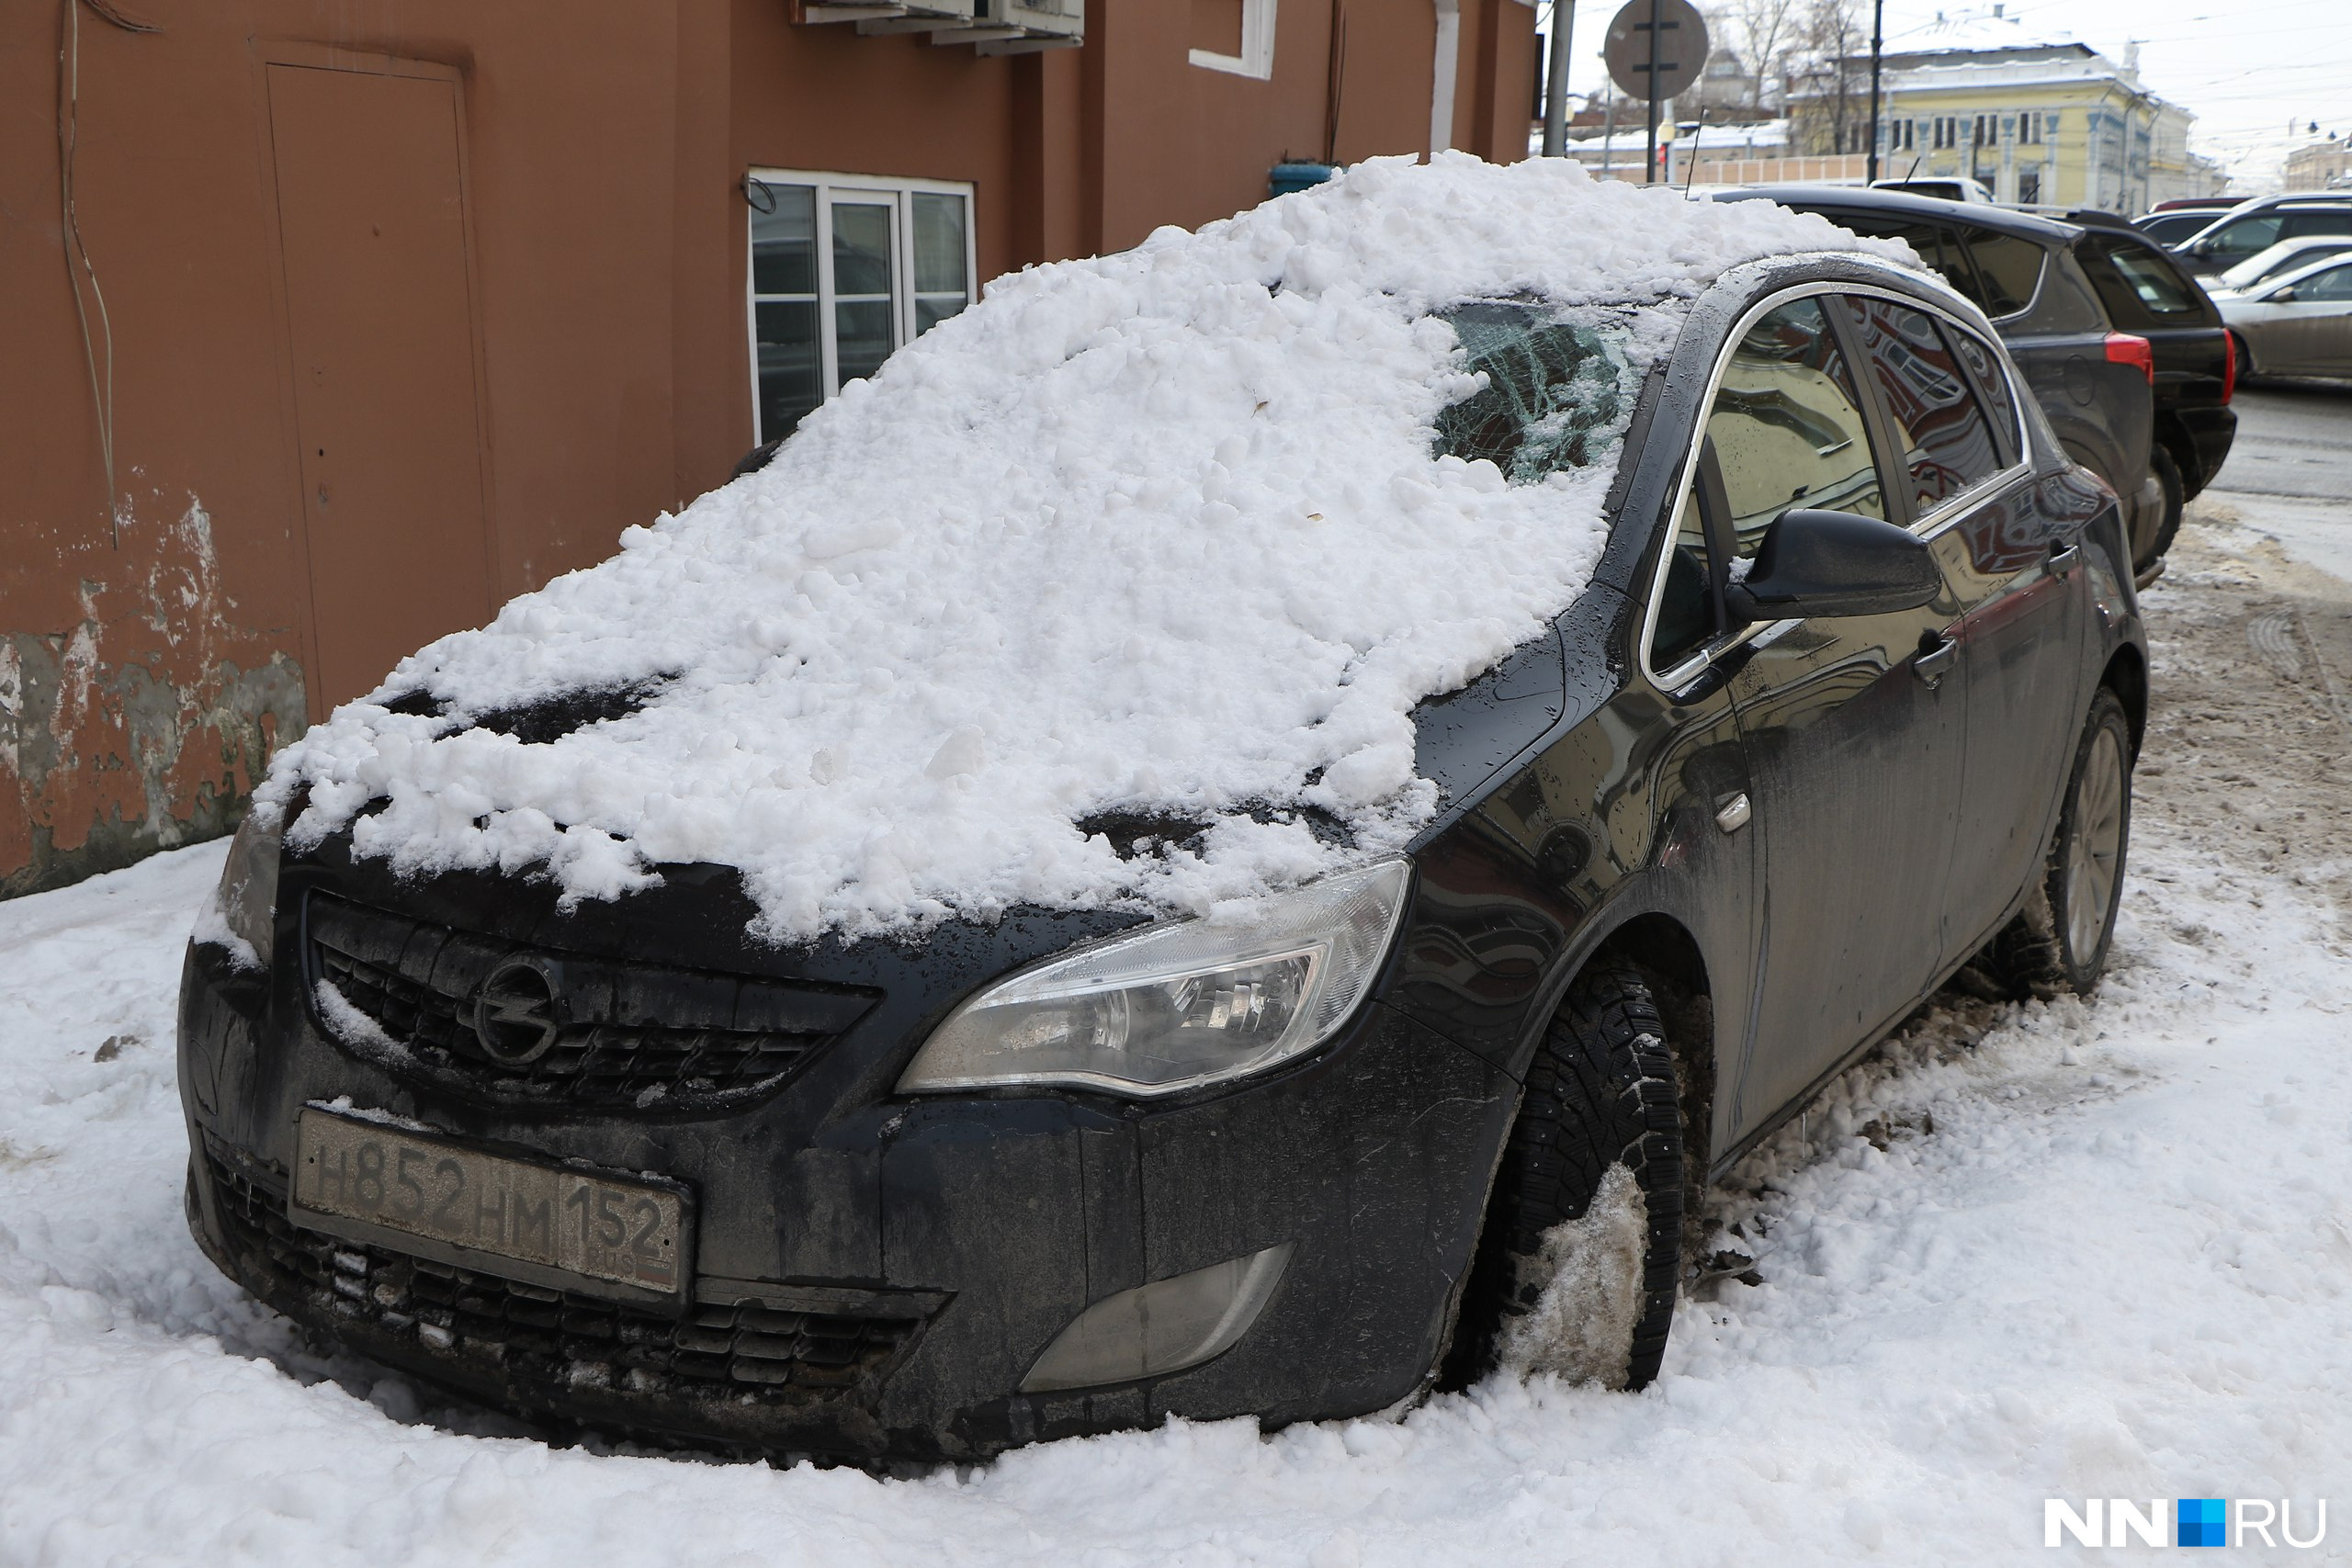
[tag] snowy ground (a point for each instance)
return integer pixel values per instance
(2087, 1250)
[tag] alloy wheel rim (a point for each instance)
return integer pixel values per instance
(2094, 858)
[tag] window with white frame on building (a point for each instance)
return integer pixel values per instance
(1946, 132)
(844, 270)
(2030, 126)
(1986, 131)
(1902, 135)
(1234, 35)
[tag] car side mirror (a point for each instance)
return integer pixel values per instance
(1833, 563)
(2283, 297)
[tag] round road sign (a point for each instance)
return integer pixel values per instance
(1682, 48)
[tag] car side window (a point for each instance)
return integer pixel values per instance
(2296, 225)
(2011, 268)
(1686, 612)
(1992, 381)
(2239, 239)
(2138, 289)
(1937, 246)
(1788, 425)
(1947, 442)
(2336, 284)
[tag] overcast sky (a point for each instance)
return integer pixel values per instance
(2242, 69)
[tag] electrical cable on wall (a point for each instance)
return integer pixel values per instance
(78, 264)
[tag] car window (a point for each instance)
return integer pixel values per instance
(2172, 228)
(1992, 381)
(2138, 289)
(1788, 427)
(1686, 618)
(1938, 244)
(2335, 284)
(2326, 220)
(2299, 258)
(2010, 268)
(2066, 304)
(1947, 442)
(1549, 386)
(2238, 240)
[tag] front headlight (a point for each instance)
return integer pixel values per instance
(1172, 1007)
(245, 906)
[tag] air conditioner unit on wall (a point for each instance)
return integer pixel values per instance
(1019, 27)
(896, 16)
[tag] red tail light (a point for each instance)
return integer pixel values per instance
(2229, 366)
(2123, 348)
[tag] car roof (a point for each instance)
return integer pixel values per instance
(2046, 232)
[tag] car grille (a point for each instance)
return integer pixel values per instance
(735, 1350)
(625, 1036)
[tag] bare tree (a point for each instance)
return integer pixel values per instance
(1761, 32)
(1832, 43)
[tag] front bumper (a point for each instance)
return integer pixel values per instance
(877, 1274)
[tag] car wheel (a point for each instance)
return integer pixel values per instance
(2245, 356)
(1576, 1268)
(2060, 942)
(2167, 472)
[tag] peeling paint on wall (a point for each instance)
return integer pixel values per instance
(146, 723)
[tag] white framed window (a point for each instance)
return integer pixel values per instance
(1245, 26)
(844, 269)
(1986, 130)
(1947, 131)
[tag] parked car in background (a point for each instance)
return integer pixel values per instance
(2278, 260)
(2258, 225)
(2149, 294)
(883, 1107)
(2094, 382)
(2296, 325)
(1951, 187)
(2172, 228)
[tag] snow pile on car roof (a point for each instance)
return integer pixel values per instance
(1157, 536)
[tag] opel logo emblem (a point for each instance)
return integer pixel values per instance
(515, 1014)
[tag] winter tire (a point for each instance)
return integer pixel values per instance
(2059, 942)
(1577, 1268)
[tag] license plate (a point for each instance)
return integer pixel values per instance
(542, 1222)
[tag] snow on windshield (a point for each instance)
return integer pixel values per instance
(1183, 534)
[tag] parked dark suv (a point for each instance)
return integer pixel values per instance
(1850, 690)
(2094, 381)
(2149, 294)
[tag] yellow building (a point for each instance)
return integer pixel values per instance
(2322, 165)
(2039, 124)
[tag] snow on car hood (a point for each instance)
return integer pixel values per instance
(1160, 535)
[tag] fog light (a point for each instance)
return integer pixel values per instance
(1161, 1328)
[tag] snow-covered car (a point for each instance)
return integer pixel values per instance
(1239, 832)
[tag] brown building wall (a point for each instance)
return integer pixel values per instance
(153, 651)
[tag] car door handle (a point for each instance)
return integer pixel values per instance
(1933, 662)
(1732, 813)
(2064, 559)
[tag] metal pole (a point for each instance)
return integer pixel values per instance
(1609, 134)
(1649, 163)
(1555, 79)
(1878, 48)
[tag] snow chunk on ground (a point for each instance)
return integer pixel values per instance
(1160, 533)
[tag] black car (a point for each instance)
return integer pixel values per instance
(1851, 702)
(2149, 294)
(2173, 225)
(2093, 380)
